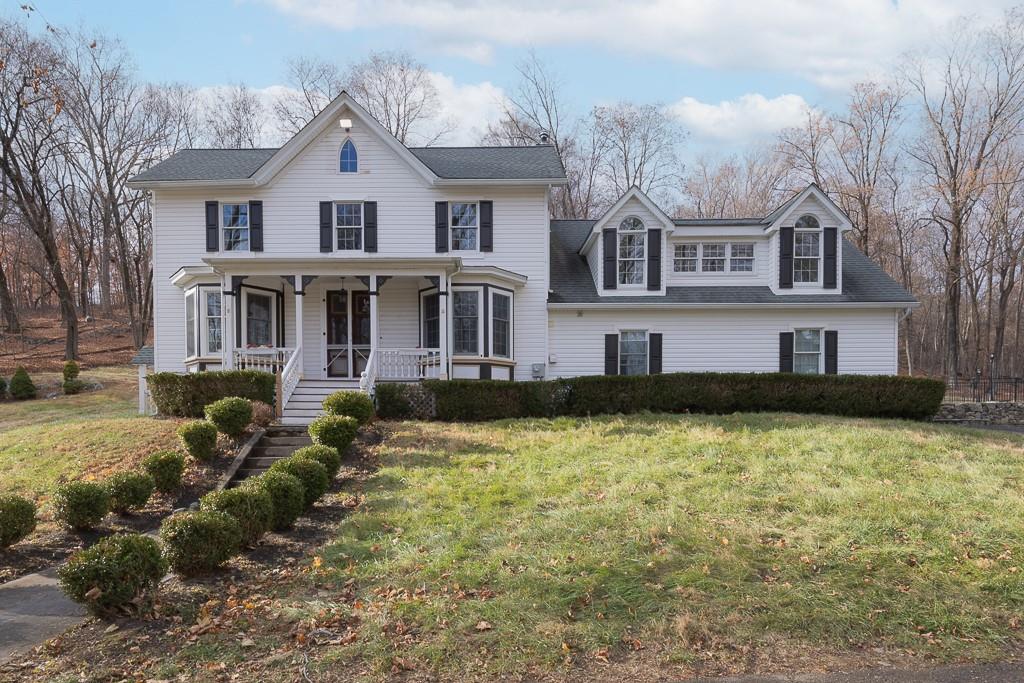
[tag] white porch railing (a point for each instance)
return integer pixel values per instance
(368, 379)
(289, 378)
(267, 359)
(408, 364)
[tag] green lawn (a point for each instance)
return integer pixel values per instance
(44, 441)
(498, 548)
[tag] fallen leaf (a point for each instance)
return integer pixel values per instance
(483, 626)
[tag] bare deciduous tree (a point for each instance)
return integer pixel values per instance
(235, 118)
(642, 143)
(314, 83)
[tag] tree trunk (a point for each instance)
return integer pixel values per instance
(11, 322)
(954, 273)
(106, 305)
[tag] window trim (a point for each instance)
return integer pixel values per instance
(676, 259)
(223, 228)
(451, 227)
(348, 141)
(424, 295)
(820, 232)
(339, 228)
(619, 234)
(244, 316)
(647, 353)
(492, 292)
(727, 259)
(201, 322)
(821, 347)
(479, 322)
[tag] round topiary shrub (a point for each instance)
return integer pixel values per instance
(200, 541)
(262, 414)
(286, 493)
(253, 508)
(116, 575)
(325, 455)
(312, 474)
(21, 386)
(231, 415)
(129, 490)
(17, 519)
(352, 403)
(81, 505)
(166, 468)
(199, 438)
(336, 431)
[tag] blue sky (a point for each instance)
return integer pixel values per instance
(734, 72)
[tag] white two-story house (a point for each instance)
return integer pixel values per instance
(344, 259)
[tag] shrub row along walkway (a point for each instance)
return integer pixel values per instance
(33, 609)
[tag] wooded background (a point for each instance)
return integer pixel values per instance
(928, 162)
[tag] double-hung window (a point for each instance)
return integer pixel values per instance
(466, 322)
(204, 322)
(465, 221)
(807, 250)
(259, 319)
(633, 348)
(685, 258)
(807, 352)
(741, 257)
(501, 324)
(712, 257)
(349, 220)
(632, 237)
(235, 226)
(431, 338)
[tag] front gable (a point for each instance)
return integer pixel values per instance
(812, 201)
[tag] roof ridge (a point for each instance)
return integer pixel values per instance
(484, 147)
(229, 149)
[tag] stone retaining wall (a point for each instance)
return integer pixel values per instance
(999, 413)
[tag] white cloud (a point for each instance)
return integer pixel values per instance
(749, 117)
(481, 53)
(831, 43)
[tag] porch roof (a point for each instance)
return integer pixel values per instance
(332, 265)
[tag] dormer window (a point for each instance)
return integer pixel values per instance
(349, 159)
(807, 250)
(632, 251)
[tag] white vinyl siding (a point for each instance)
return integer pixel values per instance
(740, 340)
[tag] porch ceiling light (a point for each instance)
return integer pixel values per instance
(346, 124)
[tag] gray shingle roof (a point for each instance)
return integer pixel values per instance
(484, 163)
(571, 282)
(766, 220)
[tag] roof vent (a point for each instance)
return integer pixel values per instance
(544, 137)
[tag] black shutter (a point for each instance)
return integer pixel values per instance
(831, 352)
(487, 226)
(786, 258)
(610, 248)
(654, 259)
(654, 353)
(212, 227)
(611, 354)
(440, 227)
(326, 226)
(369, 226)
(831, 239)
(785, 352)
(255, 226)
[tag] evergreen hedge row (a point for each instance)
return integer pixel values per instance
(186, 395)
(704, 392)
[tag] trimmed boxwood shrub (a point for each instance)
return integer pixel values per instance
(200, 541)
(310, 473)
(166, 468)
(116, 575)
(287, 494)
(186, 395)
(129, 490)
(352, 403)
(700, 392)
(325, 455)
(253, 509)
(17, 519)
(81, 504)
(231, 415)
(336, 431)
(199, 438)
(71, 384)
(21, 386)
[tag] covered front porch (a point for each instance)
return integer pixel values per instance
(354, 324)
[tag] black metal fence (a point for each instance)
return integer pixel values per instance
(977, 389)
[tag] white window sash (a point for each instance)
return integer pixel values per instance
(640, 260)
(647, 349)
(360, 228)
(475, 227)
(817, 258)
(511, 322)
(245, 316)
(241, 229)
(478, 291)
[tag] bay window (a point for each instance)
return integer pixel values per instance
(481, 321)
(501, 324)
(466, 322)
(204, 322)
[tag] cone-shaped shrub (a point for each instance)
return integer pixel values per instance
(21, 386)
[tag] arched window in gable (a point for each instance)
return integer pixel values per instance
(807, 250)
(349, 159)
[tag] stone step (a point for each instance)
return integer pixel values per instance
(262, 462)
(290, 441)
(304, 403)
(296, 421)
(261, 451)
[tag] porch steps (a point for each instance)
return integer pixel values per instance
(306, 401)
(279, 442)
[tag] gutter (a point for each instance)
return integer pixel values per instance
(642, 306)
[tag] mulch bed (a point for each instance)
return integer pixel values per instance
(229, 605)
(50, 544)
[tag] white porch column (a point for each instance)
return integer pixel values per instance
(442, 305)
(300, 295)
(374, 311)
(228, 311)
